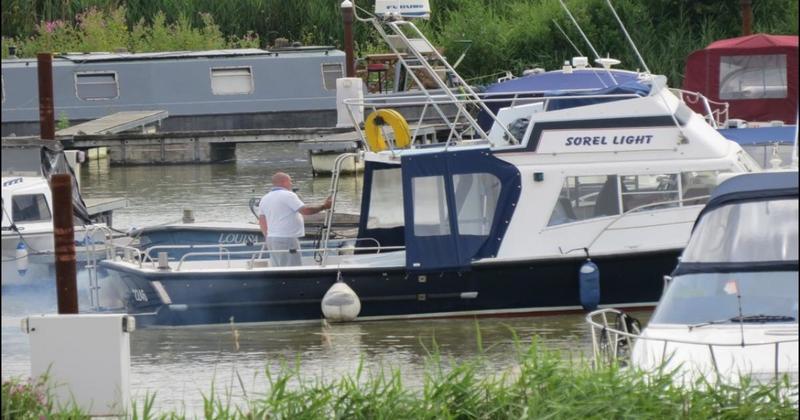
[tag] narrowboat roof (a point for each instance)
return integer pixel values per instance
(164, 55)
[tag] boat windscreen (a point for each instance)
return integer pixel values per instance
(746, 232)
(705, 298)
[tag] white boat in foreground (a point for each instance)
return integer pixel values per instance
(730, 309)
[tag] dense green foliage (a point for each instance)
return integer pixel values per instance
(505, 34)
(543, 384)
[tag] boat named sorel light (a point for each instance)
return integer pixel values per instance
(519, 218)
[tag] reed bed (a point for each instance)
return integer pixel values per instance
(505, 34)
(543, 384)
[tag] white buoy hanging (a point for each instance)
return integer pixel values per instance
(22, 258)
(340, 303)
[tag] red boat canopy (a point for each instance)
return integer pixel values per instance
(755, 74)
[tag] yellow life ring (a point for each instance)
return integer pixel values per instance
(372, 128)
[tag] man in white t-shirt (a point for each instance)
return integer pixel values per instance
(281, 219)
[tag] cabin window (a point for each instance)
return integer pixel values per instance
(476, 198)
(430, 206)
(752, 76)
(30, 208)
(231, 81)
(3, 87)
(586, 197)
(331, 72)
(697, 186)
(649, 192)
(386, 199)
(96, 86)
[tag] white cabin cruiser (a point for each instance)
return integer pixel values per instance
(27, 224)
(730, 308)
(567, 202)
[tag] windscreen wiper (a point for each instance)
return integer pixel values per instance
(762, 318)
(746, 318)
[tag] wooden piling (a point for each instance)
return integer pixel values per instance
(348, 12)
(64, 235)
(47, 122)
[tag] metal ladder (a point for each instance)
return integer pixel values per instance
(412, 44)
(328, 223)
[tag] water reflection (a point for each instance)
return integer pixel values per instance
(216, 192)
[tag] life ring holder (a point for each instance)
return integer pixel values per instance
(374, 134)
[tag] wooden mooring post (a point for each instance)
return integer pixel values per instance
(61, 190)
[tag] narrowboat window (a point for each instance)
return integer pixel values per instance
(586, 197)
(386, 199)
(698, 184)
(3, 87)
(331, 72)
(476, 198)
(96, 86)
(649, 190)
(231, 81)
(430, 206)
(29, 208)
(752, 76)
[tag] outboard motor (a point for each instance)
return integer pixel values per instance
(589, 285)
(340, 303)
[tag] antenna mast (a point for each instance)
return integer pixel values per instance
(575, 22)
(567, 37)
(630, 41)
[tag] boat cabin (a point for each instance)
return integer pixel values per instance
(755, 74)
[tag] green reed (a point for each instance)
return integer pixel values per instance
(541, 384)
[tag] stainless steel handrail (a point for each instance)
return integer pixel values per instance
(281, 251)
(613, 335)
(637, 208)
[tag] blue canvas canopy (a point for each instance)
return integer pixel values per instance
(758, 136)
(557, 83)
(457, 207)
(756, 186)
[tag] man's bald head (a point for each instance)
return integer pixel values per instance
(281, 179)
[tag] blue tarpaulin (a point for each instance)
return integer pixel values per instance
(760, 135)
(558, 83)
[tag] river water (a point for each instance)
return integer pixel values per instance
(181, 364)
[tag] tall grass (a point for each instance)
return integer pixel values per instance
(543, 384)
(506, 34)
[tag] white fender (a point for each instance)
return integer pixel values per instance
(340, 303)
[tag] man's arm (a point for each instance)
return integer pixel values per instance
(309, 210)
(262, 223)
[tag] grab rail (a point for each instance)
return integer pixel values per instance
(713, 116)
(637, 208)
(281, 251)
(602, 329)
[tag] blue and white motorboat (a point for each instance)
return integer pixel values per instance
(551, 209)
(730, 307)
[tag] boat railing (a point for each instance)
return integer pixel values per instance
(150, 255)
(680, 202)
(251, 253)
(716, 113)
(460, 100)
(613, 339)
(92, 249)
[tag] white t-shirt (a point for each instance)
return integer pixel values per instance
(280, 206)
